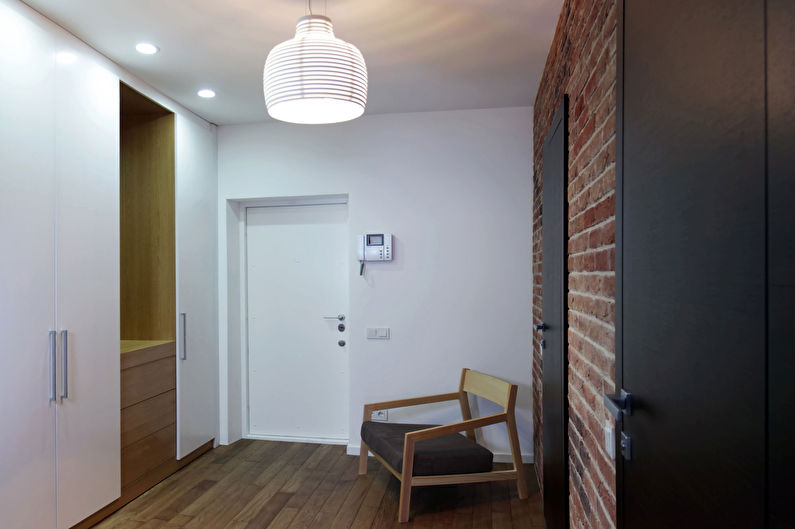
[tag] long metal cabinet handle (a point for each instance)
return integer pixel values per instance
(64, 364)
(52, 390)
(184, 318)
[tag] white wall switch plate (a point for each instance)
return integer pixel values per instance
(380, 416)
(378, 333)
(610, 439)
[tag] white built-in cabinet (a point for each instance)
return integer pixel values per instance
(59, 277)
(197, 299)
(27, 275)
(87, 287)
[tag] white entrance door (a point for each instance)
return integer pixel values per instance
(297, 263)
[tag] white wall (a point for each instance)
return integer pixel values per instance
(454, 189)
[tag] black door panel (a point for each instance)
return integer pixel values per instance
(694, 277)
(553, 306)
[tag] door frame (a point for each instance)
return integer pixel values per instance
(309, 200)
(619, 255)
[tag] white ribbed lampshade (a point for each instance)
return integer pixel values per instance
(315, 77)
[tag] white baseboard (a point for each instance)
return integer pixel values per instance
(292, 439)
(499, 457)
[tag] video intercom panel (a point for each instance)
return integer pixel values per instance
(375, 247)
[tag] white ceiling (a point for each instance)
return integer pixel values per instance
(421, 55)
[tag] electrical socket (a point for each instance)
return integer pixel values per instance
(380, 416)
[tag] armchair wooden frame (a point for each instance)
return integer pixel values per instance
(482, 385)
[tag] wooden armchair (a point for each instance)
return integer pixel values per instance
(421, 454)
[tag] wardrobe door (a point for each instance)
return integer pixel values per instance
(27, 416)
(87, 285)
(197, 277)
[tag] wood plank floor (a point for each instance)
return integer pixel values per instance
(263, 484)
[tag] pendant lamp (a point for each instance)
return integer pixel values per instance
(315, 77)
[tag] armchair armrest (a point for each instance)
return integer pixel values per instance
(402, 403)
(439, 431)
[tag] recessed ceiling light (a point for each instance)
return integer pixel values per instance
(146, 48)
(206, 93)
(65, 57)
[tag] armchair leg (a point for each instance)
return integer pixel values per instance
(521, 480)
(516, 454)
(363, 459)
(405, 500)
(405, 479)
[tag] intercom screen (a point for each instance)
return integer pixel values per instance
(375, 240)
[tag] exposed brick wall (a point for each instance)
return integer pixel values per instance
(582, 63)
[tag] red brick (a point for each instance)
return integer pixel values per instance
(582, 63)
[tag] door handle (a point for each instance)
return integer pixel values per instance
(340, 317)
(541, 326)
(53, 361)
(184, 321)
(64, 364)
(619, 404)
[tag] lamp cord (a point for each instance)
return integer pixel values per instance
(325, 7)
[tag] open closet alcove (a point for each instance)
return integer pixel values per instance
(148, 292)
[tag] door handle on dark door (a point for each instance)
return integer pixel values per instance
(541, 326)
(619, 405)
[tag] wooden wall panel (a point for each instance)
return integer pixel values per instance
(148, 292)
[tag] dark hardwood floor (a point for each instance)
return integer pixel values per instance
(262, 484)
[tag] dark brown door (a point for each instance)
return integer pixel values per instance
(698, 248)
(553, 345)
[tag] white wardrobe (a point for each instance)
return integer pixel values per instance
(59, 264)
(59, 276)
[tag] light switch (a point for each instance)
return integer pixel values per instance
(378, 333)
(610, 441)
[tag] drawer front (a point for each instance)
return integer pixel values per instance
(146, 454)
(147, 380)
(147, 417)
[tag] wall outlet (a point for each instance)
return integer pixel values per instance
(610, 439)
(380, 416)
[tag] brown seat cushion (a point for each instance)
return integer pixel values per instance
(451, 454)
